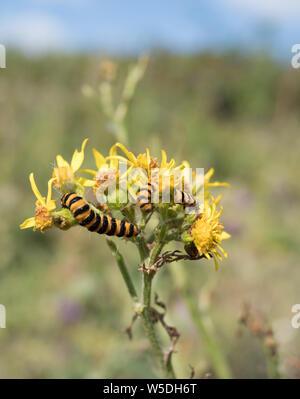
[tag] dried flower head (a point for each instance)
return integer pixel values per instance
(43, 218)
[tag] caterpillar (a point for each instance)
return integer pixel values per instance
(101, 224)
(144, 197)
(145, 192)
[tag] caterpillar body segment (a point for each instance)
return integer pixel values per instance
(101, 224)
(184, 198)
(144, 197)
(146, 192)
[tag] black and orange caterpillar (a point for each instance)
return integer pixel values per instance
(101, 224)
(145, 192)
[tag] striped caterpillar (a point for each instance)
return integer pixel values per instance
(145, 192)
(101, 224)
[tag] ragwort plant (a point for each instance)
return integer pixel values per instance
(123, 183)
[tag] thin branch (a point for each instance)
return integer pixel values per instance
(128, 330)
(167, 257)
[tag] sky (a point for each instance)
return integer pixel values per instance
(134, 26)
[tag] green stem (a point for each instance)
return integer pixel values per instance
(149, 327)
(166, 367)
(123, 270)
(160, 243)
(218, 360)
(142, 247)
(272, 363)
(145, 314)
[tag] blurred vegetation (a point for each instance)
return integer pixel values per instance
(65, 300)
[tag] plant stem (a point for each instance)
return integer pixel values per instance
(166, 367)
(123, 270)
(160, 243)
(272, 363)
(218, 360)
(142, 247)
(149, 327)
(145, 314)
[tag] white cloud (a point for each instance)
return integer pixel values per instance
(270, 9)
(33, 32)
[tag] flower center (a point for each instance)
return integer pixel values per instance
(43, 220)
(106, 177)
(204, 235)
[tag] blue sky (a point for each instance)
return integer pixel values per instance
(133, 26)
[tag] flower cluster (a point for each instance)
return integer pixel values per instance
(116, 182)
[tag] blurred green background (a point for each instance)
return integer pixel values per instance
(65, 300)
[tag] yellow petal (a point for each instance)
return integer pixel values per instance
(224, 235)
(218, 199)
(171, 164)
(49, 195)
(27, 223)
(78, 157)
(209, 174)
(148, 155)
(130, 155)
(119, 158)
(184, 164)
(99, 159)
(216, 263)
(38, 195)
(87, 182)
(61, 162)
(163, 163)
(216, 253)
(89, 171)
(218, 184)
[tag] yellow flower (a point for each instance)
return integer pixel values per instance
(65, 171)
(166, 173)
(100, 163)
(149, 164)
(144, 161)
(108, 169)
(200, 186)
(107, 173)
(207, 232)
(43, 218)
(208, 184)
